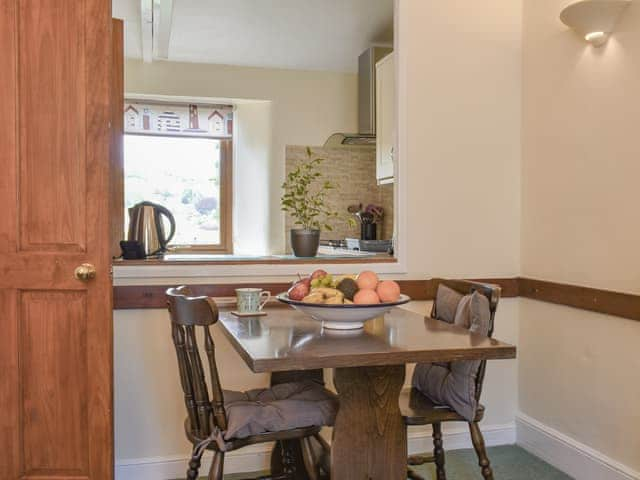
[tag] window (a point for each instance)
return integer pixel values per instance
(186, 170)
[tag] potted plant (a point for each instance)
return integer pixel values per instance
(304, 198)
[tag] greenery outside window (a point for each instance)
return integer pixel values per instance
(191, 176)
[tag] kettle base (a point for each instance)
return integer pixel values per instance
(132, 250)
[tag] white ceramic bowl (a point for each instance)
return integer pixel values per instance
(342, 317)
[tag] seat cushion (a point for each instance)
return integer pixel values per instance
(418, 409)
(282, 407)
(454, 384)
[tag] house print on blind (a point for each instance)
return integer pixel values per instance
(194, 120)
(168, 122)
(180, 119)
(131, 118)
(216, 123)
(147, 116)
(230, 123)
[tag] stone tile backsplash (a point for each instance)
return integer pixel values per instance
(354, 172)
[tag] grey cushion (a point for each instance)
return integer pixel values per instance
(446, 303)
(282, 407)
(454, 384)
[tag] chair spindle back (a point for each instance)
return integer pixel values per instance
(187, 313)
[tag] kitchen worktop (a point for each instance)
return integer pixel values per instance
(326, 255)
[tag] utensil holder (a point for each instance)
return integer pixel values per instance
(368, 231)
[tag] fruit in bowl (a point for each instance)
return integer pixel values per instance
(367, 280)
(363, 289)
(388, 291)
(348, 287)
(300, 289)
(343, 302)
(366, 296)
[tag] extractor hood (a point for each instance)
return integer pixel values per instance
(366, 136)
(351, 140)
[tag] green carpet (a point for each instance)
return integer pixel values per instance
(508, 463)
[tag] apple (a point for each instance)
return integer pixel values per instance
(318, 274)
(300, 289)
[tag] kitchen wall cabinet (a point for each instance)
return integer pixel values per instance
(385, 119)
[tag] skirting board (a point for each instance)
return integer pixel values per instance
(253, 458)
(455, 436)
(563, 452)
(257, 457)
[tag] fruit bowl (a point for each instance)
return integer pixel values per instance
(342, 317)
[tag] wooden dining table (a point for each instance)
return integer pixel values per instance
(369, 436)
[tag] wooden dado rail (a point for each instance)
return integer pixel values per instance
(624, 305)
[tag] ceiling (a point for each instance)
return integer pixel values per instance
(293, 34)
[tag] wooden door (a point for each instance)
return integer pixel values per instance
(55, 330)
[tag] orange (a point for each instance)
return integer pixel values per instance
(388, 291)
(367, 280)
(366, 297)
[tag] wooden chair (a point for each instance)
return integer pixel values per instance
(417, 409)
(206, 417)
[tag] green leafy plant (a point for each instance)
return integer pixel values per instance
(305, 194)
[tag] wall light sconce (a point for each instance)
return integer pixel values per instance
(595, 20)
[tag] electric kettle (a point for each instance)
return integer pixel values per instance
(146, 227)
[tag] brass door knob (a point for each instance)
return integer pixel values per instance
(85, 272)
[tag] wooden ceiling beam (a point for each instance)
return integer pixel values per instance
(146, 29)
(162, 20)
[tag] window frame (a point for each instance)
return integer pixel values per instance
(226, 197)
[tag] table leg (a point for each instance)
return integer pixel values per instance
(369, 436)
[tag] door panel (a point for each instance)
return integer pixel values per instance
(53, 369)
(56, 343)
(8, 137)
(52, 104)
(10, 386)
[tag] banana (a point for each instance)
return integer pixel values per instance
(326, 295)
(328, 292)
(335, 300)
(314, 297)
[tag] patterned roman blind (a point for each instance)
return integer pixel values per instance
(204, 120)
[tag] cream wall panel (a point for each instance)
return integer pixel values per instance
(461, 72)
(581, 152)
(149, 406)
(579, 375)
(580, 170)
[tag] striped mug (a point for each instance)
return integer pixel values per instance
(250, 300)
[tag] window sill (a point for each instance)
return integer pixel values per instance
(229, 259)
(210, 266)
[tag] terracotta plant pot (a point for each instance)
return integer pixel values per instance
(305, 243)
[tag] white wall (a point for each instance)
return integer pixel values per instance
(462, 64)
(580, 197)
(252, 177)
(306, 107)
(581, 151)
(460, 86)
